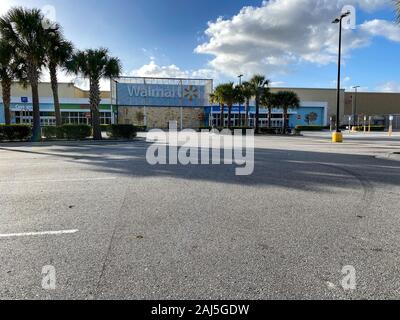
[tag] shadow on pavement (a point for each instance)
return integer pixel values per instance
(288, 169)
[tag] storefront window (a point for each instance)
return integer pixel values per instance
(105, 117)
(47, 118)
(74, 118)
(26, 117)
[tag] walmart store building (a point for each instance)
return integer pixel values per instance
(186, 102)
(156, 102)
(74, 104)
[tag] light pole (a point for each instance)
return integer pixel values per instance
(240, 79)
(355, 105)
(338, 136)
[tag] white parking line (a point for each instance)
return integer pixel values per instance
(44, 233)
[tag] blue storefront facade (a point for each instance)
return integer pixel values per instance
(309, 113)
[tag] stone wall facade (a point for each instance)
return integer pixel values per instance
(160, 117)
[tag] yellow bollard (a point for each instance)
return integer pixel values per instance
(337, 137)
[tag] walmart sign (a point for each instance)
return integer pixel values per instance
(161, 95)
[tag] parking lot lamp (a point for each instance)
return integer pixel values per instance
(338, 136)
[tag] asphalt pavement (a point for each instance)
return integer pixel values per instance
(115, 227)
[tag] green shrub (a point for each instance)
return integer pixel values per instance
(267, 130)
(141, 128)
(106, 128)
(205, 128)
(15, 132)
(76, 131)
(51, 132)
(373, 128)
(122, 131)
(296, 131)
(310, 128)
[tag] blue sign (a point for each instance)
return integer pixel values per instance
(24, 99)
(161, 95)
(308, 116)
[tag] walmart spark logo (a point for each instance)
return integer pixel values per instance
(191, 93)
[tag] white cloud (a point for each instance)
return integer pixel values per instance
(63, 77)
(282, 33)
(390, 86)
(5, 5)
(384, 28)
(152, 69)
(277, 84)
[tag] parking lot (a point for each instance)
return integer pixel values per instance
(115, 227)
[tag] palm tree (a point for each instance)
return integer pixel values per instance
(259, 86)
(286, 100)
(228, 94)
(24, 30)
(58, 52)
(217, 97)
(6, 75)
(10, 68)
(95, 64)
(247, 93)
(268, 100)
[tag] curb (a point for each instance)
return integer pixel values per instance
(67, 143)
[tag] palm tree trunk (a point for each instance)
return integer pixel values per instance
(247, 113)
(257, 125)
(270, 117)
(222, 107)
(285, 112)
(94, 98)
(33, 76)
(229, 116)
(6, 85)
(54, 88)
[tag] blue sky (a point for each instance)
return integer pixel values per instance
(291, 41)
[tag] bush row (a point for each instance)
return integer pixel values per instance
(122, 131)
(373, 128)
(106, 127)
(15, 132)
(80, 132)
(67, 131)
(311, 128)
